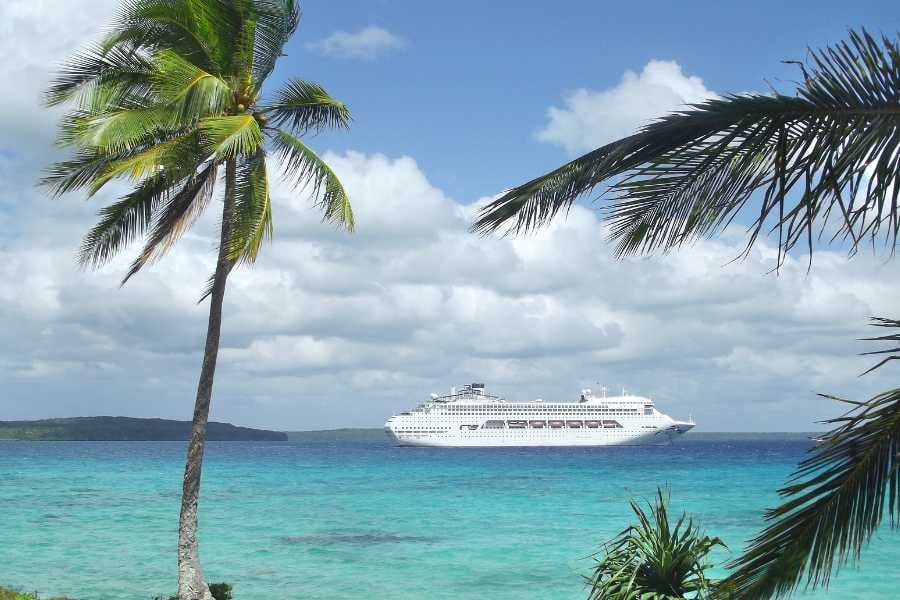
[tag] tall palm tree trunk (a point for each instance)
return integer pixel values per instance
(191, 585)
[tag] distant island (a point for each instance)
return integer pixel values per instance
(127, 429)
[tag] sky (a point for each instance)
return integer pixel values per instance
(452, 104)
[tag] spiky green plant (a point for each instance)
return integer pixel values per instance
(171, 101)
(653, 560)
(830, 154)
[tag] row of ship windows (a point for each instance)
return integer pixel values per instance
(541, 408)
(546, 413)
(507, 435)
(522, 424)
(503, 406)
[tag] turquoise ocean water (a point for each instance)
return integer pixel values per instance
(357, 518)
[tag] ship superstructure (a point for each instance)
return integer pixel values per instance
(472, 417)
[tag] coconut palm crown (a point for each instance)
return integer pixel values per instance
(171, 99)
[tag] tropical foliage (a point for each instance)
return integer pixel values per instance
(653, 560)
(828, 155)
(171, 101)
(167, 100)
(834, 502)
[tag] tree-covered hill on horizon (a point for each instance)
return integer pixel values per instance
(106, 428)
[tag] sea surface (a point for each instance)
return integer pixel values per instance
(354, 517)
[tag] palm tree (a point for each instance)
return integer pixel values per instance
(171, 99)
(828, 155)
(654, 561)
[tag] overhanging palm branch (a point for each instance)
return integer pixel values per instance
(830, 152)
(834, 501)
(654, 560)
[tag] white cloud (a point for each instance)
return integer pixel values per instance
(592, 118)
(332, 329)
(367, 43)
(35, 38)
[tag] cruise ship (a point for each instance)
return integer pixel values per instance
(471, 417)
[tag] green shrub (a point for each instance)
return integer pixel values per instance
(219, 591)
(8, 594)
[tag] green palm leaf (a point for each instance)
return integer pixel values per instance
(831, 152)
(202, 31)
(187, 87)
(170, 154)
(304, 106)
(78, 172)
(174, 217)
(117, 130)
(252, 217)
(231, 136)
(305, 167)
(893, 338)
(276, 22)
(834, 501)
(122, 222)
(115, 67)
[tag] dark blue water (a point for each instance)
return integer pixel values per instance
(360, 518)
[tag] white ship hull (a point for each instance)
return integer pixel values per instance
(473, 419)
(561, 439)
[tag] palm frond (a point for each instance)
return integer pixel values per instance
(304, 106)
(653, 560)
(116, 131)
(276, 22)
(186, 87)
(831, 152)
(201, 31)
(174, 217)
(894, 337)
(169, 154)
(252, 214)
(123, 221)
(305, 168)
(231, 136)
(119, 66)
(77, 172)
(834, 501)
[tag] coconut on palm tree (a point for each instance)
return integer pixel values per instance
(819, 166)
(171, 100)
(653, 560)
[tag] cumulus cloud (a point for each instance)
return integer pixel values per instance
(35, 38)
(334, 329)
(367, 43)
(591, 118)
(330, 329)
